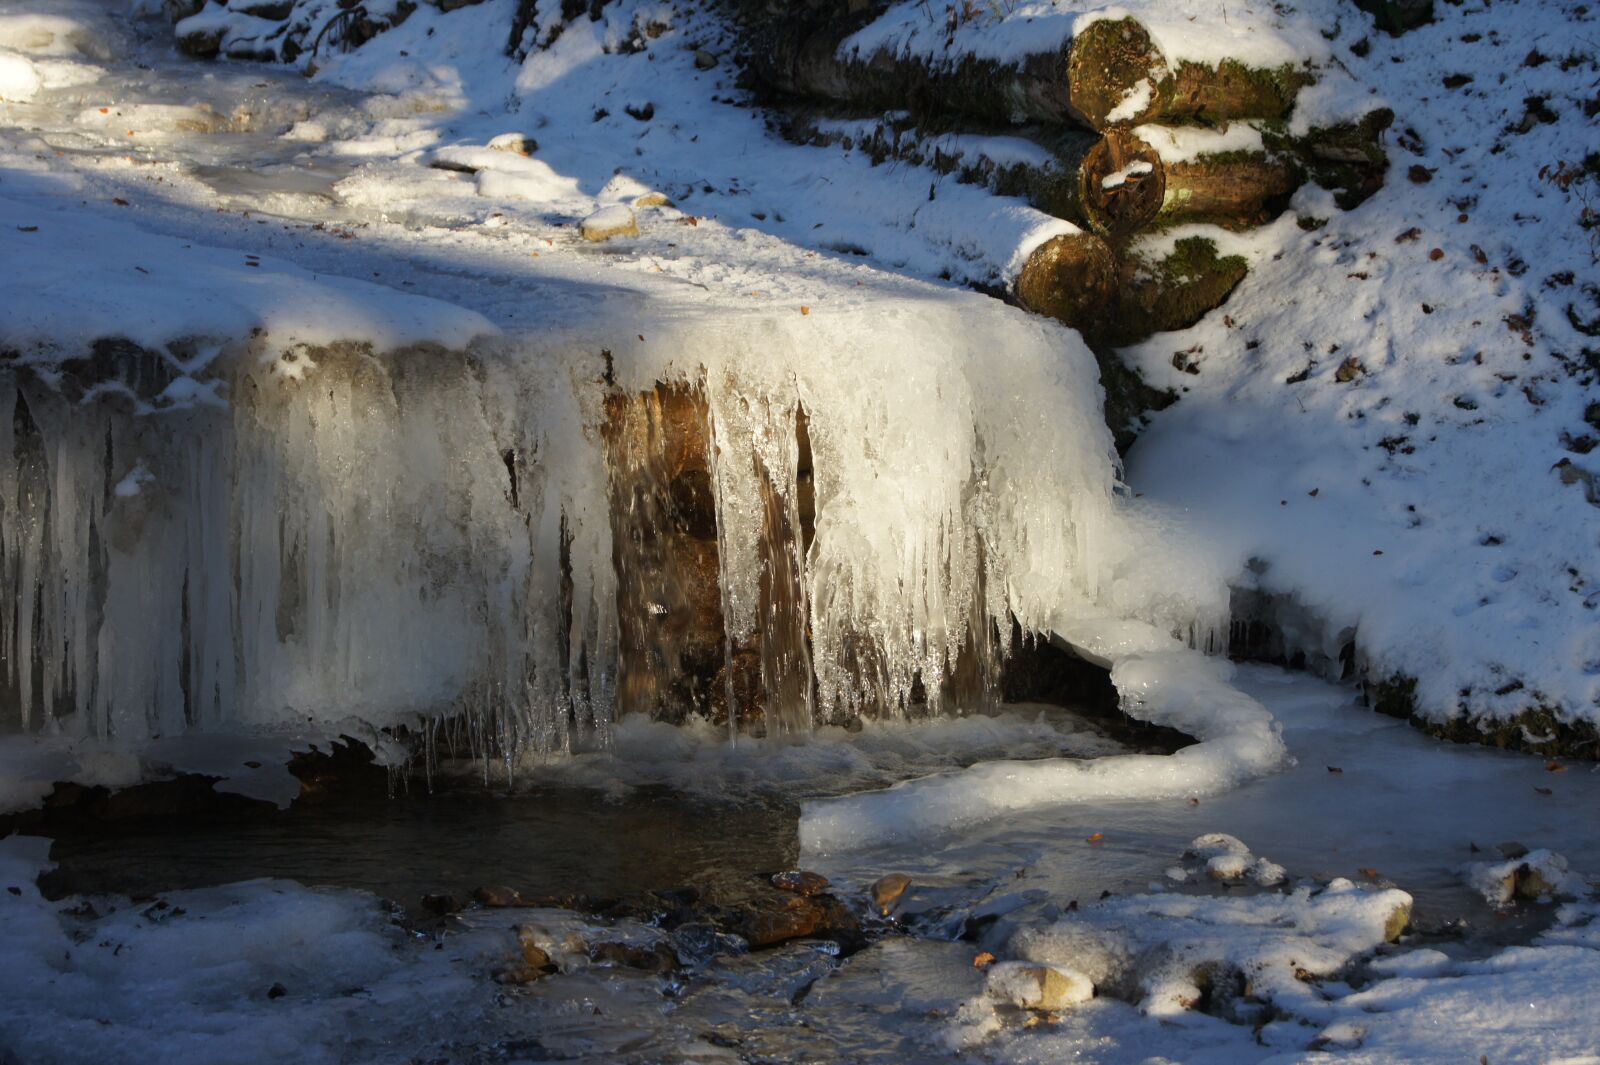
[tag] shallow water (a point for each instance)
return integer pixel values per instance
(664, 807)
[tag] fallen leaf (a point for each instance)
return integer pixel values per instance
(1409, 235)
(982, 960)
(1193, 801)
(1096, 838)
(804, 309)
(1475, 848)
(1544, 791)
(1436, 254)
(105, 110)
(27, 229)
(1368, 871)
(641, 338)
(1313, 492)
(1335, 769)
(119, 201)
(1554, 767)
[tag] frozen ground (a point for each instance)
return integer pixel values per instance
(1206, 950)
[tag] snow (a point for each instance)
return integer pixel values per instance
(1185, 144)
(1415, 511)
(1255, 33)
(1120, 178)
(155, 290)
(19, 79)
(1159, 682)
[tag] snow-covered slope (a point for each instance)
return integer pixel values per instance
(1388, 427)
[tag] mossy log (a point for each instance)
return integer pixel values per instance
(1115, 299)
(1110, 74)
(1195, 93)
(1083, 81)
(1110, 183)
(1114, 183)
(1159, 295)
(1071, 278)
(1235, 190)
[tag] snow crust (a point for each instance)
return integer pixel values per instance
(1427, 511)
(1254, 32)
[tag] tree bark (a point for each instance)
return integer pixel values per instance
(1235, 190)
(1111, 74)
(1071, 278)
(1082, 82)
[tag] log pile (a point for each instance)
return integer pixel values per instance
(1085, 132)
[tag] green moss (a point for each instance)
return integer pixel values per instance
(1203, 95)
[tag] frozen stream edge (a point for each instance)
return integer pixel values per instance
(1159, 681)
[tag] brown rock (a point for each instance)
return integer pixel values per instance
(785, 918)
(497, 897)
(659, 958)
(443, 905)
(800, 882)
(886, 891)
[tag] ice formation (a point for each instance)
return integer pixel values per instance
(209, 532)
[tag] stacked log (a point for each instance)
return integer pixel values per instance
(1086, 112)
(1110, 74)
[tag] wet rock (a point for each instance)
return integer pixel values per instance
(273, 10)
(778, 918)
(1033, 986)
(800, 882)
(701, 941)
(609, 222)
(534, 964)
(704, 60)
(1512, 849)
(443, 905)
(886, 891)
(277, 991)
(560, 947)
(178, 10)
(657, 958)
(497, 897)
(202, 43)
(789, 917)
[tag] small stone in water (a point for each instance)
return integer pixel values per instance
(887, 890)
(442, 905)
(497, 896)
(800, 882)
(277, 991)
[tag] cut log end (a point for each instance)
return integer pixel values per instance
(1123, 184)
(1071, 278)
(1113, 73)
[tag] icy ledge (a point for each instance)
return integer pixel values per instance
(1160, 681)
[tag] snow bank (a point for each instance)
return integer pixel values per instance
(74, 280)
(1387, 434)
